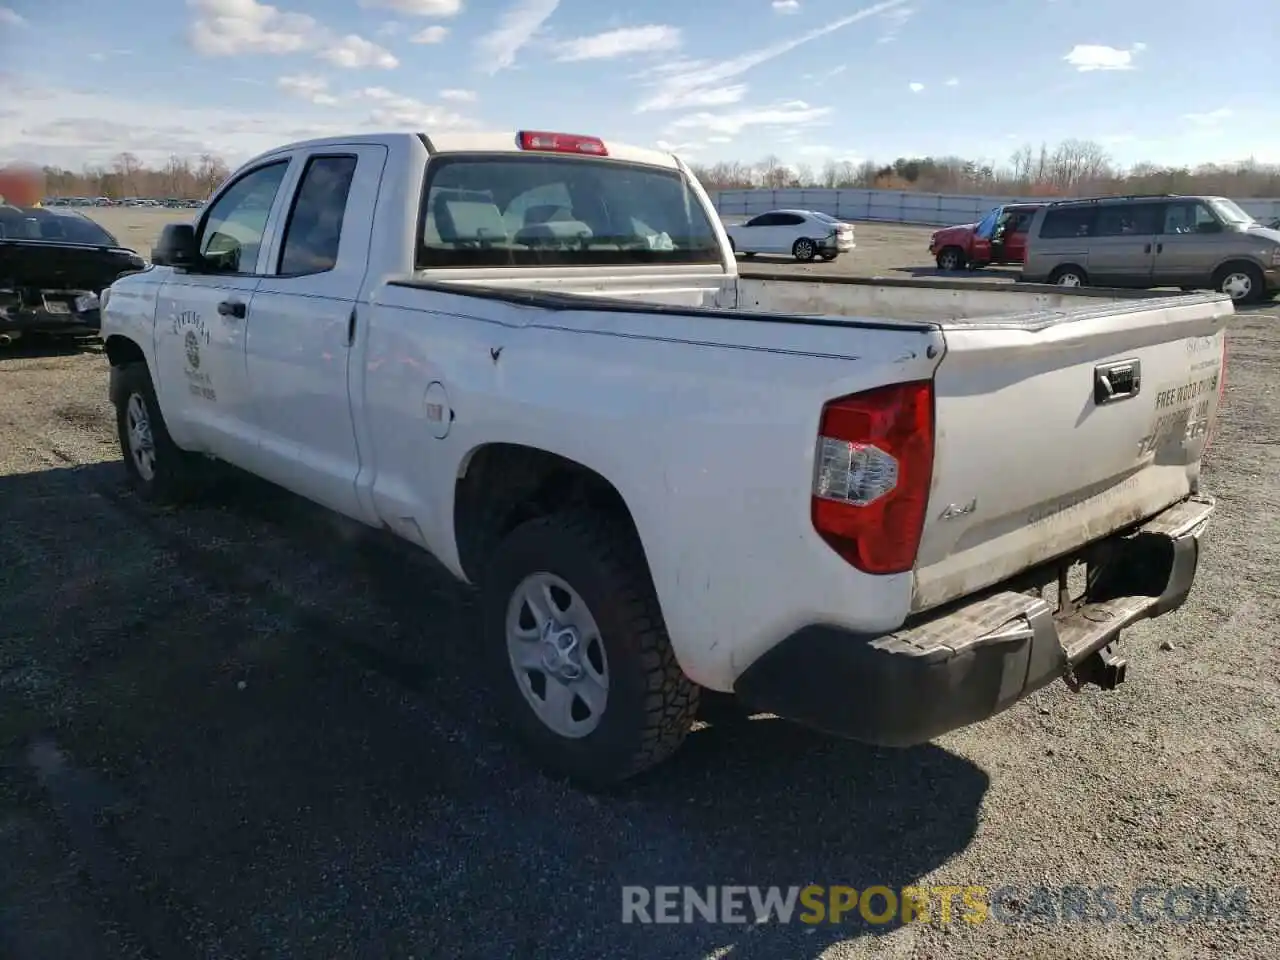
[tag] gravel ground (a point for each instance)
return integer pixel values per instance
(245, 730)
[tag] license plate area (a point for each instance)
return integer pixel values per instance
(58, 307)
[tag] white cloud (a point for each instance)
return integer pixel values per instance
(786, 6)
(731, 123)
(395, 111)
(416, 8)
(625, 42)
(1087, 57)
(894, 21)
(458, 96)
(952, 82)
(518, 24)
(915, 87)
(357, 53)
(688, 83)
(230, 28)
(308, 87)
(69, 128)
(226, 28)
(719, 139)
(11, 17)
(430, 35)
(1210, 119)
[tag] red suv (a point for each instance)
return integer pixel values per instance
(999, 237)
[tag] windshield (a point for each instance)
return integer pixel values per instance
(987, 226)
(532, 210)
(1229, 210)
(34, 223)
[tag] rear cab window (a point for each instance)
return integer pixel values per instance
(504, 210)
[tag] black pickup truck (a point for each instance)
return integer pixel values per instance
(53, 265)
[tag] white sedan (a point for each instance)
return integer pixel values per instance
(803, 234)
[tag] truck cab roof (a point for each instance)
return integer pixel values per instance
(484, 142)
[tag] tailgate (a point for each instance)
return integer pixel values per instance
(1044, 443)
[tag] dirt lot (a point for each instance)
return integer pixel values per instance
(244, 730)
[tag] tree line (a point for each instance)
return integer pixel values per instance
(182, 178)
(1072, 168)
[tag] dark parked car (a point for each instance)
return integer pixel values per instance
(54, 263)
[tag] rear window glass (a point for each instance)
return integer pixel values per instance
(30, 223)
(558, 211)
(1071, 222)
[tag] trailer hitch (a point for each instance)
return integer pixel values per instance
(1101, 668)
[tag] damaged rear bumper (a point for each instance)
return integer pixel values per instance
(970, 661)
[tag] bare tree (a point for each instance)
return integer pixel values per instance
(1070, 167)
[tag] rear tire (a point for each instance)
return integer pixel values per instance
(1242, 282)
(804, 250)
(595, 646)
(159, 470)
(1069, 275)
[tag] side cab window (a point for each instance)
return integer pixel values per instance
(231, 233)
(314, 226)
(764, 220)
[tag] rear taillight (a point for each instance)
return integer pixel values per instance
(873, 470)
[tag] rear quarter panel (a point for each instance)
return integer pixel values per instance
(705, 425)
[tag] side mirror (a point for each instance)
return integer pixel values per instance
(176, 246)
(1209, 226)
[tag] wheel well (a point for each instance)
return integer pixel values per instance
(1220, 274)
(1062, 268)
(122, 350)
(504, 485)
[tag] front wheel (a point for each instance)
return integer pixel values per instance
(1242, 282)
(951, 259)
(159, 470)
(804, 250)
(581, 660)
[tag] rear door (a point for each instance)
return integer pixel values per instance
(1035, 458)
(791, 227)
(301, 336)
(1122, 249)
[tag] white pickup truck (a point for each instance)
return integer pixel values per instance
(859, 504)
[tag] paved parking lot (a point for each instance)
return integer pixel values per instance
(245, 729)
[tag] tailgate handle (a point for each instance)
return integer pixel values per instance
(1114, 382)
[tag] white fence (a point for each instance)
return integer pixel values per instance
(893, 206)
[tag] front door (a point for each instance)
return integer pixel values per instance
(305, 316)
(1015, 238)
(1122, 246)
(1187, 245)
(201, 317)
(980, 249)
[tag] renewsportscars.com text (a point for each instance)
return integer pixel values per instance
(971, 904)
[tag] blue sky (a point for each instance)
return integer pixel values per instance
(805, 80)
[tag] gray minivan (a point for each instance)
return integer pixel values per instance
(1154, 241)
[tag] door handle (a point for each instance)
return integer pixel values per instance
(1159, 248)
(232, 308)
(1147, 248)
